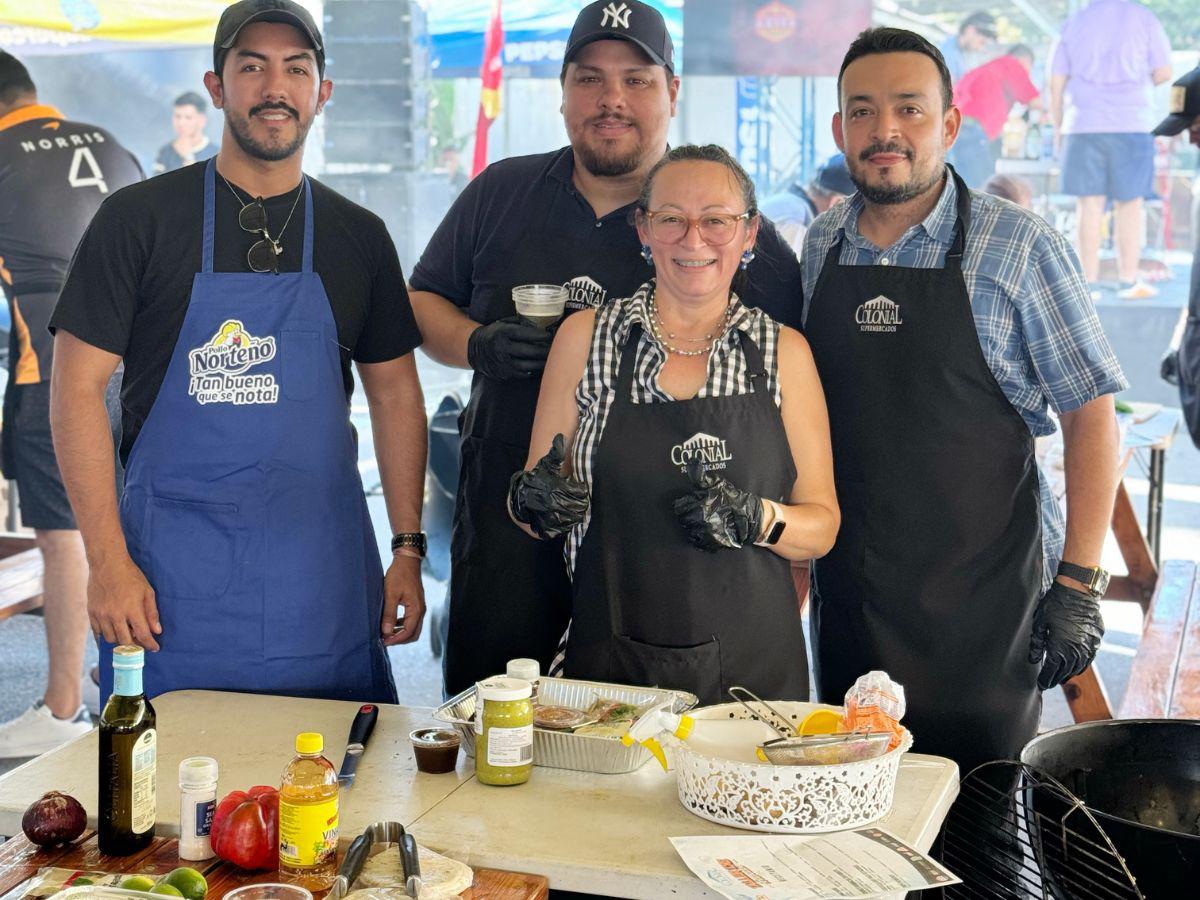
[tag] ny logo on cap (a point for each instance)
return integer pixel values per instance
(619, 16)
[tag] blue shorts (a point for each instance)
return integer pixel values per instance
(1117, 166)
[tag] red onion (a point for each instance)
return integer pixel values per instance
(55, 819)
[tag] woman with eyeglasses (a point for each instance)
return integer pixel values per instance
(681, 442)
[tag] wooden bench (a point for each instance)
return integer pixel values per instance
(1165, 679)
(20, 574)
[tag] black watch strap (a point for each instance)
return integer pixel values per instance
(1093, 577)
(413, 540)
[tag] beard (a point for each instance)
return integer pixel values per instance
(892, 194)
(239, 126)
(605, 162)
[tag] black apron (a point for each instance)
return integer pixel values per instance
(938, 564)
(650, 608)
(510, 595)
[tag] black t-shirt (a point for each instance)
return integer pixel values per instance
(522, 221)
(131, 278)
(168, 159)
(54, 173)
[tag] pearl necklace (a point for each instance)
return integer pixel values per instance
(657, 327)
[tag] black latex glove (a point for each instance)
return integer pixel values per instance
(1067, 629)
(508, 349)
(544, 499)
(716, 514)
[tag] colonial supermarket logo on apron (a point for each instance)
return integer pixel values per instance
(711, 451)
(584, 293)
(219, 369)
(880, 314)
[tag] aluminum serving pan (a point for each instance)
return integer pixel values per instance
(562, 749)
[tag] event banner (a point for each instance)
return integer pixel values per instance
(770, 37)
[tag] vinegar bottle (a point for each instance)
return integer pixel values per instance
(128, 752)
(308, 816)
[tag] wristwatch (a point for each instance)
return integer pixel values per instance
(1094, 578)
(773, 530)
(413, 540)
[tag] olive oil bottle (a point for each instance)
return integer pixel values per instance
(128, 752)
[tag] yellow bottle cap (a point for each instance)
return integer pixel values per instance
(309, 742)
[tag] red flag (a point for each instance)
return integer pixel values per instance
(489, 97)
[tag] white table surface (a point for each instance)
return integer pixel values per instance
(601, 834)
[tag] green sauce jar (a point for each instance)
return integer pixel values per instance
(503, 731)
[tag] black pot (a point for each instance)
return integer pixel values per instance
(1141, 780)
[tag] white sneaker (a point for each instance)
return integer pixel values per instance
(91, 693)
(37, 731)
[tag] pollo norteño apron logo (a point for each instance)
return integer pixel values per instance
(880, 314)
(219, 368)
(711, 451)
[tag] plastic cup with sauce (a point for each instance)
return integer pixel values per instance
(436, 750)
(540, 304)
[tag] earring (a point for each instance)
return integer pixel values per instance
(646, 255)
(747, 258)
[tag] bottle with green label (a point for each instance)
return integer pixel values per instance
(308, 816)
(128, 754)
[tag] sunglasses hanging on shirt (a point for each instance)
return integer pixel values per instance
(264, 255)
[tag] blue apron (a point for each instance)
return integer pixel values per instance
(243, 504)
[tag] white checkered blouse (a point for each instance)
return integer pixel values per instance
(727, 375)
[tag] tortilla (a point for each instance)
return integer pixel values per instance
(382, 879)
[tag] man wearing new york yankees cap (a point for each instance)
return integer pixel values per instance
(553, 218)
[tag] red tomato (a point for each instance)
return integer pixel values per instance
(245, 828)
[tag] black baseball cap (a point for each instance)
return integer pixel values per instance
(1185, 104)
(623, 20)
(242, 13)
(834, 176)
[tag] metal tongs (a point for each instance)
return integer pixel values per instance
(791, 749)
(360, 850)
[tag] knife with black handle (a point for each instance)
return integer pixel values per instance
(356, 743)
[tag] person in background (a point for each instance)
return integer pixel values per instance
(699, 460)
(976, 34)
(985, 96)
(1182, 363)
(239, 293)
(191, 144)
(1012, 188)
(561, 218)
(1109, 56)
(54, 173)
(793, 210)
(452, 165)
(945, 324)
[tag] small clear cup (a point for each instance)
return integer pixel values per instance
(540, 304)
(270, 891)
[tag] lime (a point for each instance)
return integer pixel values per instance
(137, 883)
(188, 882)
(169, 889)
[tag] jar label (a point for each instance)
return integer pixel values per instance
(204, 814)
(142, 800)
(510, 746)
(308, 833)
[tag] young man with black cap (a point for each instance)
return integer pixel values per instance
(560, 218)
(53, 175)
(242, 551)
(1183, 364)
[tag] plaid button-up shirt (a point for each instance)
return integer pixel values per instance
(1033, 312)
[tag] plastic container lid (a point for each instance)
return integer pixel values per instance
(309, 742)
(128, 656)
(505, 689)
(434, 737)
(525, 669)
(197, 771)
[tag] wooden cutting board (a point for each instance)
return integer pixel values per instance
(20, 860)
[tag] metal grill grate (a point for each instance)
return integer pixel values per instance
(1015, 833)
